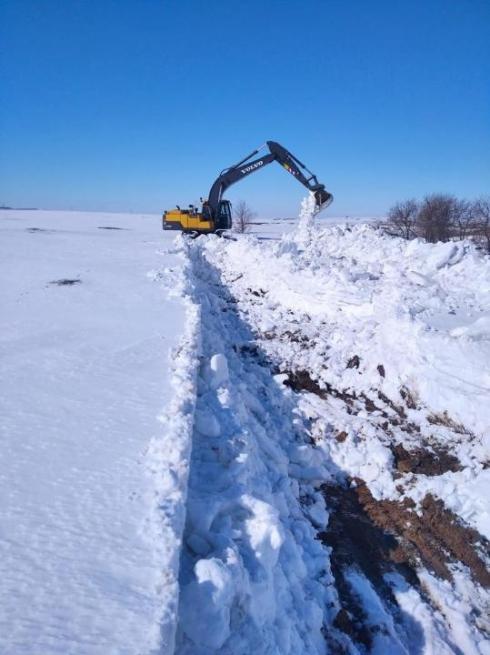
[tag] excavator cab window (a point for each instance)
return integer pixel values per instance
(223, 220)
(206, 212)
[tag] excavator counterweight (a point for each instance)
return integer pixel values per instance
(215, 214)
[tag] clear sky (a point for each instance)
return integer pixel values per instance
(138, 104)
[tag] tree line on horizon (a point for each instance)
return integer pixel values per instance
(441, 217)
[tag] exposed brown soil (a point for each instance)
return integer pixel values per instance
(407, 396)
(423, 461)
(295, 337)
(357, 541)
(434, 536)
(258, 293)
(302, 381)
(398, 409)
(377, 537)
(445, 420)
(354, 362)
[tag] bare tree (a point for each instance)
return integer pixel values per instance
(464, 218)
(481, 210)
(242, 216)
(440, 217)
(436, 217)
(402, 219)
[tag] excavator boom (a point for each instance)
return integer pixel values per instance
(216, 212)
(283, 157)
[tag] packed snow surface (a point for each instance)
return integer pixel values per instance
(88, 559)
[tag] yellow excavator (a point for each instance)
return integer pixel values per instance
(215, 214)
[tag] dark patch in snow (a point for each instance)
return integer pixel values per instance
(445, 420)
(398, 409)
(407, 396)
(354, 362)
(66, 282)
(111, 227)
(294, 337)
(302, 381)
(425, 462)
(260, 293)
(381, 370)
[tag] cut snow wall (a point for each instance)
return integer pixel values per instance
(168, 456)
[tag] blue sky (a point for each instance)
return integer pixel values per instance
(138, 104)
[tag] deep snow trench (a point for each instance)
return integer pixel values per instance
(253, 574)
(338, 490)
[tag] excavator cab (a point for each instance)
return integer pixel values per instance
(223, 219)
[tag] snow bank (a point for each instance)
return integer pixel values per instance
(390, 340)
(168, 455)
(421, 310)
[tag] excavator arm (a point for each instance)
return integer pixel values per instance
(276, 153)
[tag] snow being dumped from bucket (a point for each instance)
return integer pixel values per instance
(304, 231)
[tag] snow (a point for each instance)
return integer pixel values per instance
(348, 290)
(162, 483)
(88, 558)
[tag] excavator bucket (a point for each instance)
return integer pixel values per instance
(323, 198)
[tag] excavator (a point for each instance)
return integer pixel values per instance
(215, 215)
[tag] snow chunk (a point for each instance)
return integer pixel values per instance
(264, 530)
(206, 603)
(445, 254)
(206, 423)
(477, 331)
(216, 373)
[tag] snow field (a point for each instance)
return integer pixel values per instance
(162, 486)
(88, 559)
